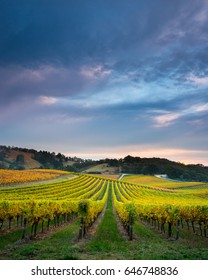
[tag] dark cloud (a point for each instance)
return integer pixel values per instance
(72, 31)
(104, 73)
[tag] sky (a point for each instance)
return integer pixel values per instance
(103, 78)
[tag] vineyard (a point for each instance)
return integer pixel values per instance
(13, 176)
(166, 207)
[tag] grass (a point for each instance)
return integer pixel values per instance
(56, 245)
(156, 246)
(102, 168)
(9, 238)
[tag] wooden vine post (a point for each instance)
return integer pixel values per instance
(81, 228)
(177, 229)
(132, 214)
(169, 229)
(130, 228)
(24, 228)
(83, 210)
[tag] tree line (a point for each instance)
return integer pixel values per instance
(128, 164)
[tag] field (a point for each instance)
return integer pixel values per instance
(79, 216)
(160, 183)
(9, 177)
(103, 168)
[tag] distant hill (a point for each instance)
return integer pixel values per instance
(22, 158)
(102, 168)
(174, 170)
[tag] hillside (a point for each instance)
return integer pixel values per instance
(174, 170)
(102, 168)
(21, 158)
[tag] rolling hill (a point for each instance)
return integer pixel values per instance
(22, 158)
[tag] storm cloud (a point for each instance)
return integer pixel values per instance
(105, 78)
